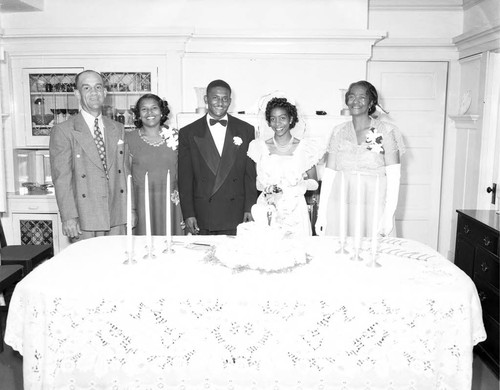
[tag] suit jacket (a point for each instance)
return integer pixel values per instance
(81, 187)
(215, 189)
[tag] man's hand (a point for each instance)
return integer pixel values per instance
(247, 217)
(71, 228)
(192, 225)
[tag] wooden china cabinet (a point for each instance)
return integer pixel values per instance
(476, 253)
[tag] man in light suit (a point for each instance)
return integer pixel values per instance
(89, 166)
(217, 180)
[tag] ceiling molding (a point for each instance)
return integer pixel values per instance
(11, 6)
(417, 5)
(478, 40)
(415, 49)
(349, 43)
(471, 3)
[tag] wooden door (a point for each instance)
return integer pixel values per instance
(414, 93)
(489, 158)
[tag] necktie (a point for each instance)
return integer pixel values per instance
(99, 142)
(223, 122)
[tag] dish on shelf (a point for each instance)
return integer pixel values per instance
(466, 102)
(37, 189)
(42, 120)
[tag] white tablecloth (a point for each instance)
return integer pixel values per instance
(83, 320)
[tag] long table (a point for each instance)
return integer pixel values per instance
(84, 320)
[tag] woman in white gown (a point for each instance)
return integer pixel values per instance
(285, 170)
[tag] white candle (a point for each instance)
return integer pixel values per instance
(375, 217)
(129, 216)
(169, 216)
(357, 228)
(149, 239)
(342, 230)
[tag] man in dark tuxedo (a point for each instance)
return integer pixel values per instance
(217, 180)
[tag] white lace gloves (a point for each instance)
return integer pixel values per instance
(326, 189)
(311, 184)
(393, 173)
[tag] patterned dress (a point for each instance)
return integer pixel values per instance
(288, 174)
(359, 164)
(156, 160)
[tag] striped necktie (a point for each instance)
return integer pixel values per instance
(99, 141)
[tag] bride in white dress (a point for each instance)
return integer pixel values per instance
(285, 169)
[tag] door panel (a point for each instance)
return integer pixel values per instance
(414, 93)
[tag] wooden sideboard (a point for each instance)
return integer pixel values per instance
(476, 253)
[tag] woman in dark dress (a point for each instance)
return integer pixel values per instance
(153, 149)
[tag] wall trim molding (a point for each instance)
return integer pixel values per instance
(250, 42)
(471, 3)
(478, 41)
(465, 122)
(415, 49)
(421, 5)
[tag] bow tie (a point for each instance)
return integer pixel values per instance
(223, 122)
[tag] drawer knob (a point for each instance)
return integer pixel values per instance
(482, 296)
(486, 241)
(466, 229)
(484, 266)
(32, 207)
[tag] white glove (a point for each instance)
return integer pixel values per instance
(311, 184)
(324, 195)
(393, 173)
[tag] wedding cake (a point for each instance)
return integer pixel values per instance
(262, 247)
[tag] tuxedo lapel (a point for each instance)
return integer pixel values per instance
(112, 136)
(84, 138)
(228, 157)
(207, 148)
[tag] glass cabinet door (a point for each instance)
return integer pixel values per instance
(52, 100)
(124, 89)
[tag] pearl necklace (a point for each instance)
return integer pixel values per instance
(155, 144)
(283, 148)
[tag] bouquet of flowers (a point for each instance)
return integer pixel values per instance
(272, 195)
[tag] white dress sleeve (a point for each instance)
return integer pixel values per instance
(312, 151)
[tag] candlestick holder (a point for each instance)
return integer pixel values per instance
(149, 254)
(130, 258)
(356, 249)
(373, 263)
(169, 250)
(342, 250)
(356, 255)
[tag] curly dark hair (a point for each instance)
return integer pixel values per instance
(371, 91)
(163, 104)
(286, 105)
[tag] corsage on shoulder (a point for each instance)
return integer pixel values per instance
(171, 137)
(374, 141)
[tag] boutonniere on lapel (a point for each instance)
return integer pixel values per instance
(237, 141)
(171, 137)
(120, 142)
(374, 141)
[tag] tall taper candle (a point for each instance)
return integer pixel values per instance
(168, 222)
(342, 230)
(129, 216)
(357, 228)
(375, 217)
(149, 239)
